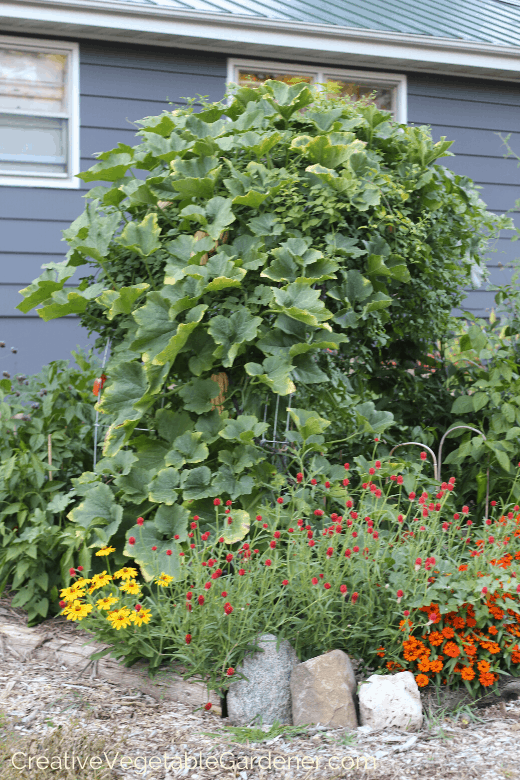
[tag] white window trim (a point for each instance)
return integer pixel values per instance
(323, 74)
(61, 181)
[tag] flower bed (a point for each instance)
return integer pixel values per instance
(399, 578)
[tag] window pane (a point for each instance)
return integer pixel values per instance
(251, 78)
(32, 145)
(382, 98)
(32, 81)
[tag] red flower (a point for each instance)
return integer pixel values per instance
(355, 597)
(342, 588)
(285, 582)
(465, 510)
(299, 477)
(188, 638)
(347, 466)
(411, 495)
(493, 503)
(491, 539)
(456, 516)
(268, 562)
(279, 500)
(230, 672)
(205, 536)
(375, 535)
(192, 546)
(371, 471)
(276, 535)
(207, 706)
(484, 591)
(314, 580)
(265, 525)
(154, 548)
(189, 595)
(290, 530)
(176, 536)
(196, 517)
(138, 607)
(378, 493)
(400, 518)
(229, 557)
(201, 600)
(319, 512)
(207, 586)
(216, 574)
(327, 585)
(72, 572)
(168, 552)
(259, 518)
(217, 502)
(377, 464)
(228, 609)
(348, 553)
(354, 534)
(272, 544)
(63, 604)
(445, 526)
(349, 504)
(229, 502)
(400, 480)
(314, 481)
(330, 551)
(423, 456)
(418, 561)
(131, 540)
(406, 612)
(140, 520)
(356, 549)
(400, 594)
(221, 540)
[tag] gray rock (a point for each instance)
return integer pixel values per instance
(266, 693)
(322, 691)
(390, 700)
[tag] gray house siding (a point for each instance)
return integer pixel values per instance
(121, 83)
(474, 113)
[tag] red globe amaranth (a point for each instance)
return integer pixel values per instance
(241, 572)
(355, 597)
(188, 638)
(230, 672)
(279, 500)
(207, 706)
(299, 477)
(72, 572)
(80, 568)
(342, 588)
(286, 582)
(131, 540)
(268, 562)
(63, 604)
(217, 502)
(327, 585)
(168, 552)
(140, 520)
(423, 456)
(229, 557)
(201, 600)
(154, 548)
(228, 609)
(314, 580)
(138, 607)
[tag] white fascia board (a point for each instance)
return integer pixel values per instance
(162, 25)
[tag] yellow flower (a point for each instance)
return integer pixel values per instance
(127, 573)
(98, 580)
(105, 551)
(131, 586)
(164, 580)
(119, 618)
(77, 610)
(72, 593)
(106, 602)
(81, 583)
(143, 616)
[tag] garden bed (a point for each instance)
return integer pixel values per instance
(46, 705)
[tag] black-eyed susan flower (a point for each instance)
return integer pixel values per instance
(126, 573)
(119, 618)
(164, 580)
(77, 610)
(98, 581)
(142, 616)
(106, 602)
(130, 586)
(105, 551)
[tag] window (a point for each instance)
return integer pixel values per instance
(389, 88)
(39, 113)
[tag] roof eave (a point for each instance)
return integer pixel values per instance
(261, 37)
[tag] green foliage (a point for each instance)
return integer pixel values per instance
(56, 403)
(282, 243)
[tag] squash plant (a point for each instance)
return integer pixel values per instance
(228, 257)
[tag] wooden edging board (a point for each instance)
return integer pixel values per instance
(74, 653)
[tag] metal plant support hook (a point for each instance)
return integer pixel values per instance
(425, 447)
(475, 430)
(96, 424)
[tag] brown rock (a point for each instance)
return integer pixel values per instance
(322, 691)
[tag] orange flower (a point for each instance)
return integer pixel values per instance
(493, 630)
(424, 665)
(448, 632)
(483, 666)
(436, 638)
(491, 647)
(471, 622)
(380, 651)
(451, 649)
(436, 666)
(464, 567)
(487, 679)
(470, 649)
(422, 680)
(467, 673)
(459, 622)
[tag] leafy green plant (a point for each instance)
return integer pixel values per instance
(46, 439)
(277, 241)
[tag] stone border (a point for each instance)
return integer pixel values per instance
(74, 653)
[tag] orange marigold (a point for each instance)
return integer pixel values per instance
(464, 567)
(491, 647)
(424, 664)
(467, 673)
(422, 680)
(436, 666)
(471, 622)
(493, 630)
(459, 622)
(448, 632)
(381, 651)
(470, 649)
(451, 649)
(483, 666)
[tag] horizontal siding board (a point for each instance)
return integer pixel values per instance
(120, 82)
(484, 170)
(474, 141)
(120, 114)
(476, 90)
(96, 139)
(154, 58)
(462, 113)
(39, 342)
(28, 203)
(32, 236)
(22, 269)
(499, 197)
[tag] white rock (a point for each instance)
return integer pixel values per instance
(390, 700)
